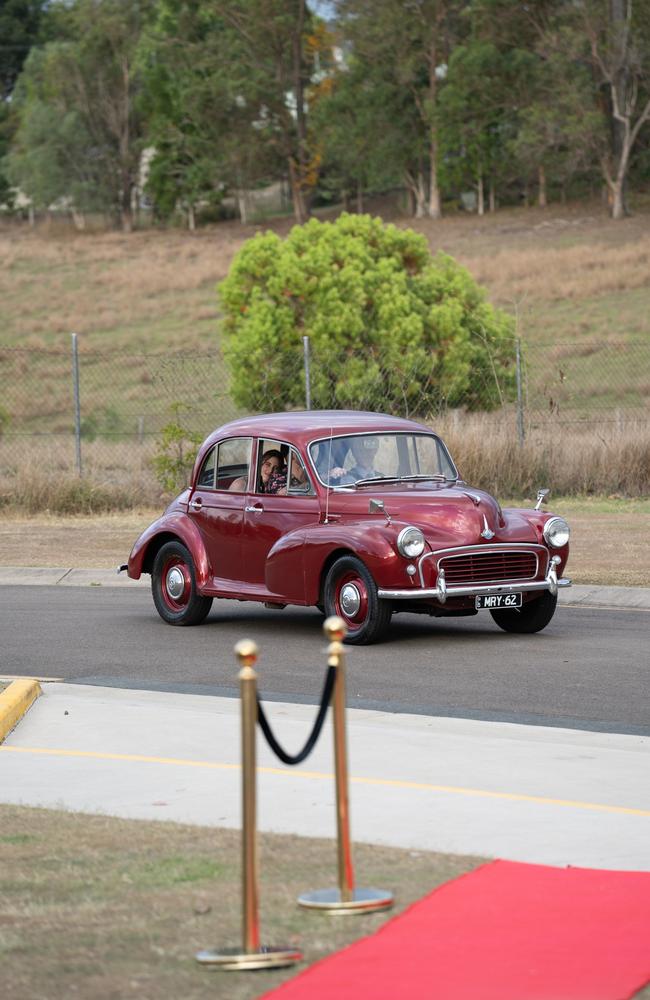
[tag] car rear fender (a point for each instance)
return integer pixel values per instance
(177, 527)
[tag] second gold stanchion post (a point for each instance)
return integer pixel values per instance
(347, 898)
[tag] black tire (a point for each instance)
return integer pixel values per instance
(365, 614)
(532, 617)
(173, 586)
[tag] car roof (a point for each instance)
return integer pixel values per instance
(302, 426)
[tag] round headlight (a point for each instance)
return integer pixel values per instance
(410, 542)
(556, 532)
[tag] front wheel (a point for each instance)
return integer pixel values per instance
(531, 617)
(351, 593)
(173, 586)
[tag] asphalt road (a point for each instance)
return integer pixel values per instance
(589, 669)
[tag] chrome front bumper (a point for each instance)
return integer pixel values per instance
(441, 591)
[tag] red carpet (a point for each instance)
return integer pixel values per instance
(506, 931)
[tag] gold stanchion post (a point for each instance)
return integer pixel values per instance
(252, 955)
(347, 898)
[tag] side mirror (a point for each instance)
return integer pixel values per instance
(541, 498)
(377, 507)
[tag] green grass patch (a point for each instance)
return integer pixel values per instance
(587, 505)
(116, 908)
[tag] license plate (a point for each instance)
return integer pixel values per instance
(492, 602)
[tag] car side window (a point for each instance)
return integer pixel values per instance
(233, 463)
(299, 482)
(206, 475)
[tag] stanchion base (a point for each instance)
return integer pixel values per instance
(362, 901)
(234, 960)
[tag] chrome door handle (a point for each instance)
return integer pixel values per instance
(257, 509)
(196, 504)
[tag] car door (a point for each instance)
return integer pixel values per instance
(270, 516)
(217, 508)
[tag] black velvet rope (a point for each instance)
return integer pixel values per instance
(286, 758)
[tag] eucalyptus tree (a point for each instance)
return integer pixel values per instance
(20, 25)
(408, 43)
(80, 128)
(605, 46)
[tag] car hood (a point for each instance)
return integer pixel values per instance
(447, 515)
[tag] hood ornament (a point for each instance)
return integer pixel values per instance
(486, 533)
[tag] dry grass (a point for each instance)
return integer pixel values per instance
(149, 290)
(155, 289)
(595, 459)
(116, 477)
(606, 539)
(575, 272)
(571, 274)
(100, 908)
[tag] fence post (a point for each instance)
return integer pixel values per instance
(305, 345)
(520, 403)
(77, 402)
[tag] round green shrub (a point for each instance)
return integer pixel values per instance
(391, 327)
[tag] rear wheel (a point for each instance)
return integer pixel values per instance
(173, 585)
(531, 617)
(351, 593)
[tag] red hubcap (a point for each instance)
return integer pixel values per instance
(176, 583)
(351, 600)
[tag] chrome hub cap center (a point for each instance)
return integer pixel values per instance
(350, 599)
(175, 583)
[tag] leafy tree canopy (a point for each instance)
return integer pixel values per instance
(391, 327)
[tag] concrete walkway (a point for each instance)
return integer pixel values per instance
(537, 794)
(523, 793)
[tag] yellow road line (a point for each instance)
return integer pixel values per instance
(321, 776)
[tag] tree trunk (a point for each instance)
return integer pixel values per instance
(243, 205)
(617, 199)
(78, 219)
(191, 218)
(417, 191)
(126, 219)
(541, 175)
(420, 197)
(481, 195)
(359, 198)
(493, 196)
(435, 206)
(299, 208)
(298, 168)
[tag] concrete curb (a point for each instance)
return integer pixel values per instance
(15, 701)
(585, 595)
(60, 576)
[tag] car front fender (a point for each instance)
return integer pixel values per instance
(169, 527)
(320, 542)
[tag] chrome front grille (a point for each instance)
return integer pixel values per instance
(489, 566)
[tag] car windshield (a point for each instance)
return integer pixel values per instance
(353, 459)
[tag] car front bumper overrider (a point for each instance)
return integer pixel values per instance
(441, 592)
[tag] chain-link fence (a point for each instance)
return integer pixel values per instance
(108, 419)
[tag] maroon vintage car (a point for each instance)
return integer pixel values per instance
(359, 514)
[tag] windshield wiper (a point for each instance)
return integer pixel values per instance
(438, 478)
